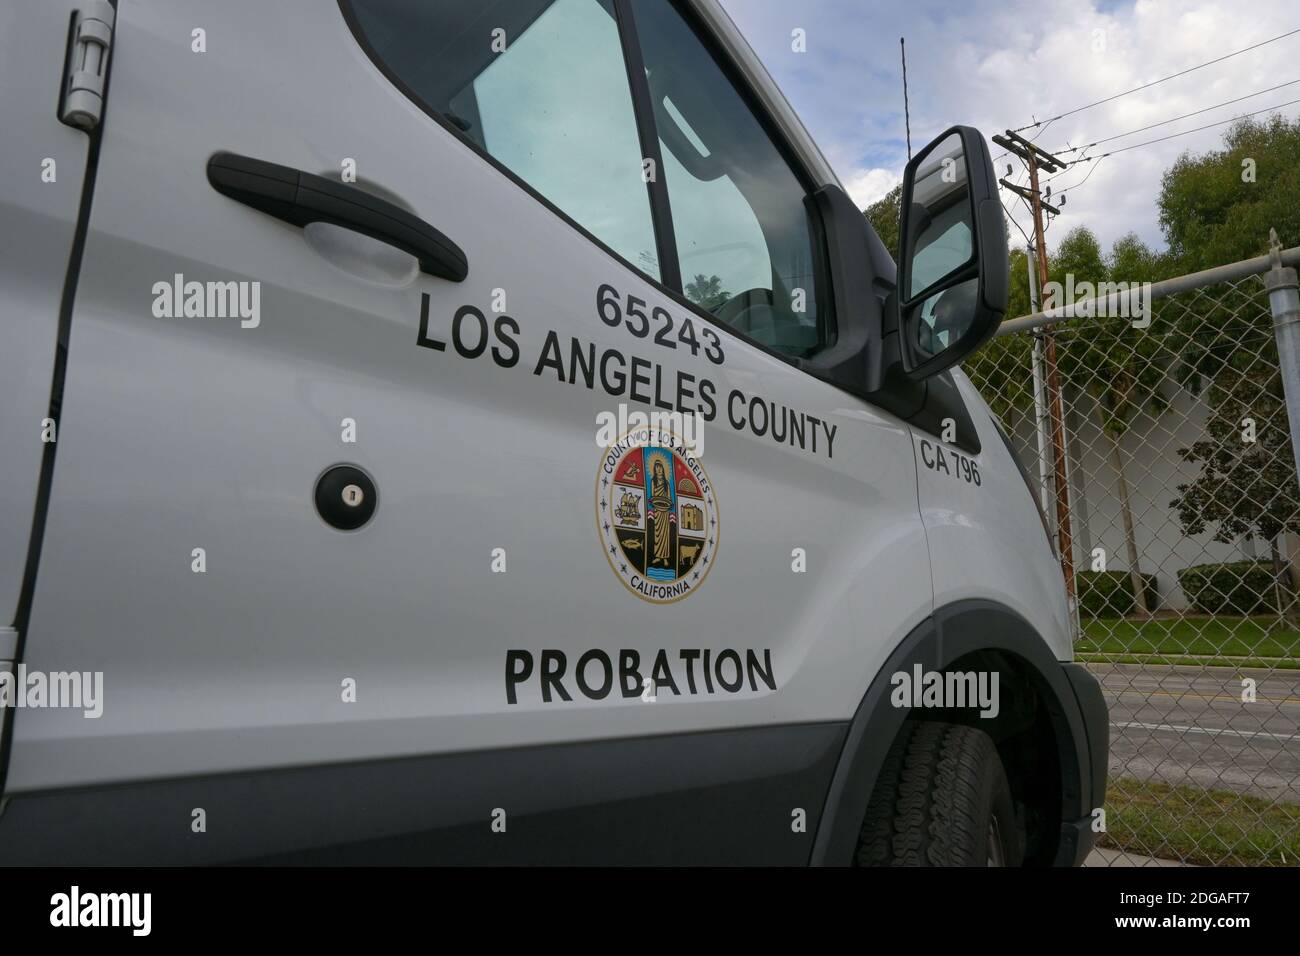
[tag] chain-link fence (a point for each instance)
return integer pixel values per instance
(1183, 512)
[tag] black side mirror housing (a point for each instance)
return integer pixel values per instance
(953, 273)
(861, 273)
(864, 355)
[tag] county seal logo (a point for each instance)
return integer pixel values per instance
(656, 514)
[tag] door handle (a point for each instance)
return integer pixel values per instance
(300, 198)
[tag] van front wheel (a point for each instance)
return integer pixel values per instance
(942, 799)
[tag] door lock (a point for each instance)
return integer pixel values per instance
(346, 497)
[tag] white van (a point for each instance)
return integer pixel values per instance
(473, 431)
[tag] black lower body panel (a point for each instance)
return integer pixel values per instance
(723, 798)
(1078, 836)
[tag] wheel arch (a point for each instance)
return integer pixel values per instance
(971, 628)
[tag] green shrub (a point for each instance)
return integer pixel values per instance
(1110, 593)
(1235, 587)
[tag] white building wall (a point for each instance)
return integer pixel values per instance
(1154, 470)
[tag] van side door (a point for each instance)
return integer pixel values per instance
(522, 584)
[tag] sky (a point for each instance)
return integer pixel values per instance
(998, 64)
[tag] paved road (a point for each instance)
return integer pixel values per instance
(1188, 725)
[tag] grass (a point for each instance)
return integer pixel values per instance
(1202, 827)
(1235, 641)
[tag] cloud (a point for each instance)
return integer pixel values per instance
(995, 64)
(868, 185)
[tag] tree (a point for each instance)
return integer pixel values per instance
(1218, 208)
(707, 292)
(1212, 213)
(1002, 368)
(1246, 487)
(1247, 482)
(883, 216)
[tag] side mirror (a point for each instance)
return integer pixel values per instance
(953, 274)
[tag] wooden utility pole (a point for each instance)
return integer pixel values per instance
(1037, 158)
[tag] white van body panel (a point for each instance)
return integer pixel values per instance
(987, 540)
(185, 433)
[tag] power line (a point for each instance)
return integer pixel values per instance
(1091, 170)
(1080, 109)
(1066, 171)
(1016, 224)
(1142, 129)
(1161, 139)
(1096, 160)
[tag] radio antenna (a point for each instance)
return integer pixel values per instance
(907, 113)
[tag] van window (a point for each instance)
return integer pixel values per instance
(539, 85)
(742, 221)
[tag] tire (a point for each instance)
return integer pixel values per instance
(942, 799)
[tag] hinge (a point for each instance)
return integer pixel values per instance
(87, 66)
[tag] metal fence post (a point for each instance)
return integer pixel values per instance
(1284, 298)
(1046, 492)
